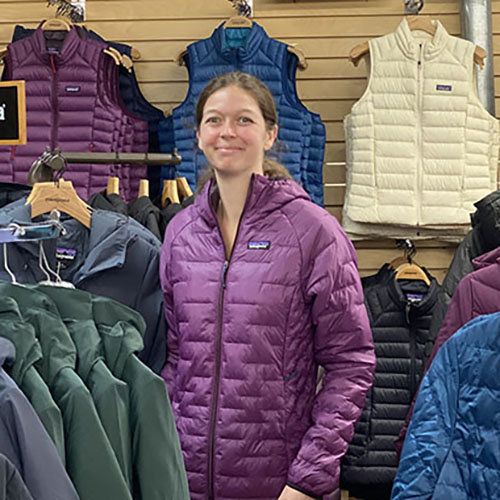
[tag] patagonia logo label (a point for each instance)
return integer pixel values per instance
(73, 89)
(65, 253)
(446, 88)
(259, 245)
(53, 50)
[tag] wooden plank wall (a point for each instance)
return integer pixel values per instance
(325, 30)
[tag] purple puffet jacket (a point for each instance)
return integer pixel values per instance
(246, 337)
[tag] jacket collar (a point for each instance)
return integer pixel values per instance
(243, 53)
(429, 298)
(68, 47)
(264, 195)
(105, 245)
(410, 46)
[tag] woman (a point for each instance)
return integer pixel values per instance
(260, 288)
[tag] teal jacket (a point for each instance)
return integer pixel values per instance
(24, 373)
(90, 460)
(157, 458)
(110, 395)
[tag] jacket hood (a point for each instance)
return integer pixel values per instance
(22, 334)
(264, 195)
(487, 259)
(487, 219)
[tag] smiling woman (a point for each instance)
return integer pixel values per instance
(260, 287)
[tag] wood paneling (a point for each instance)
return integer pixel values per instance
(325, 30)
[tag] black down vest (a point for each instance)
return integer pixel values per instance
(400, 314)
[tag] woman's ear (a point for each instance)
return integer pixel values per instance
(270, 138)
(198, 139)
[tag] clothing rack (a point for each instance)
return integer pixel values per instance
(52, 163)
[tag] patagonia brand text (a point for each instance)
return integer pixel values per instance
(446, 88)
(259, 245)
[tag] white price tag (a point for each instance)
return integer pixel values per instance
(80, 4)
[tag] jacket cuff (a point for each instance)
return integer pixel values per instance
(306, 492)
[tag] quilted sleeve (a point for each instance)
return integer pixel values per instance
(429, 436)
(344, 347)
(168, 372)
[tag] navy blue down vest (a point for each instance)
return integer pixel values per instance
(301, 134)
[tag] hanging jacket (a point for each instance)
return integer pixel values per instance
(420, 147)
(477, 293)
(301, 133)
(157, 460)
(110, 395)
(400, 312)
(246, 337)
(452, 446)
(484, 237)
(12, 486)
(26, 376)
(25, 443)
(90, 460)
(146, 213)
(66, 78)
(117, 258)
(10, 192)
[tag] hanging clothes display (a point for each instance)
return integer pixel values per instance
(451, 450)
(25, 443)
(117, 258)
(400, 313)
(421, 149)
(72, 85)
(301, 133)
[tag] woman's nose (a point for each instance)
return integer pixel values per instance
(228, 129)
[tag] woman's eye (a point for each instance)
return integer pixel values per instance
(212, 119)
(245, 119)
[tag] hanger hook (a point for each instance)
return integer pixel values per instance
(6, 265)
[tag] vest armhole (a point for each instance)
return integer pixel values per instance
(188, 62)
(473, 82)
(369, 60)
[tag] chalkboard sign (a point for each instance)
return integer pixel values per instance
(12, 113)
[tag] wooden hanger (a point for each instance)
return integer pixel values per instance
(136, 55)
(143, 188)
(113, 186)
(415, 23)
(398, 261)
(183, 188)
(170, 192)
(114, 54)
(238, 22)
(412, 271)
(3, 54)
(56, 24)
(61, 196)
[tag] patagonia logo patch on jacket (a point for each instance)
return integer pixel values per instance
(259, 245)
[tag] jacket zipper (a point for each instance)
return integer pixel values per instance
(55, 110)
(412, 383)
(419, 133)
(218, 352)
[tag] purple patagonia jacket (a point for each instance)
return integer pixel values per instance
(477, 293)
(246, 337)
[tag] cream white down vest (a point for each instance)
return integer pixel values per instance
(420, 146)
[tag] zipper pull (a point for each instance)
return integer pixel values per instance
(224, 272)
(53, 64)
(407, 312)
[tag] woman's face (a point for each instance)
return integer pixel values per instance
(233, 133)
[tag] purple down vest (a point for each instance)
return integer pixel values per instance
(246, 338)
(72, 103)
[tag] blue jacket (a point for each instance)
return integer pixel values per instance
(25, 443)
(301, 134)
(451, 449)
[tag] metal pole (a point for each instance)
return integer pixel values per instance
(476, 27)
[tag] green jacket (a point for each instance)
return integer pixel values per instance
(90, 460)
(159, 471)
(24, 373)
(110, 395)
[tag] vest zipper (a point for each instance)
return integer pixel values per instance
(218, 352)
(412, 382)
(419, 133)
(55, 110)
